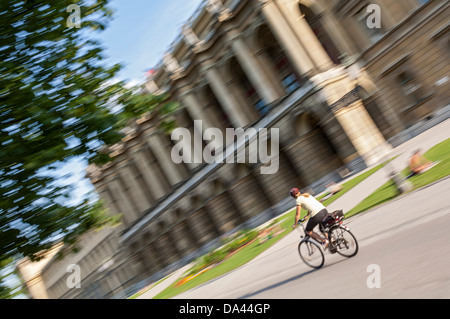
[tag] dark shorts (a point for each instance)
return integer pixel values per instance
(314, 221)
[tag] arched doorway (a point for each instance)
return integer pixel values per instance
(182, 234)
(224, 207)
(311, 150)
(247, 191)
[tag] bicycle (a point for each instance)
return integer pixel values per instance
(341, 241)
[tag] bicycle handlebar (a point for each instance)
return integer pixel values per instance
(300, 222)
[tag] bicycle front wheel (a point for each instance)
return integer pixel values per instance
(311, 254)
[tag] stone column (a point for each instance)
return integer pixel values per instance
(350, 112)
(305, 34)
(287, 39)
(110, 202)
(164, 159)
(187, 159)
(152, 258)
(253, 70)
(172, 242)
(363, 133)
(211, 220)
(143, 182)
(114, 284)
(229, 103)
(240, 216)
(136, 190)
(194, 108)
(126, 209)
(196, 113)
(127, 194)
(297, 171)
(269, 68)
(187, 230)
(155, 187)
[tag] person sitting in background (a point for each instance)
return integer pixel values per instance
(418, 163)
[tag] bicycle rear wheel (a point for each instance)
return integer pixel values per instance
(343, 241)
(311, 254)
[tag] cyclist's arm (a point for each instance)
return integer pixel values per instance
(297, 215)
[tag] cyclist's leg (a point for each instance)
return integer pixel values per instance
(313, 222)
(322, 230)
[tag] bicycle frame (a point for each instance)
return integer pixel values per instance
(334, 246)
(301, 223)
(323, 229)
(307, 237)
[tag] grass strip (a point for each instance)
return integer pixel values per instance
(388, 191)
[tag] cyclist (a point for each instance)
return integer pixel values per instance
(316, 213)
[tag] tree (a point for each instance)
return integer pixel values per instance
(55, 97)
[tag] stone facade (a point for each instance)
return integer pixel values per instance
(338, 92)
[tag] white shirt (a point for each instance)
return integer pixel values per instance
(310, 204)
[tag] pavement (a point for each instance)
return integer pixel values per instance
(168, 280)
(424, 141)
(407, 238)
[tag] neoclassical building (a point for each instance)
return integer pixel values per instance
(340, 93)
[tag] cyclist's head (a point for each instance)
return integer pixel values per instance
(294, 192)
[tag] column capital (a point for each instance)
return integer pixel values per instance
(216, 7)
(171, 64)
(209, 67)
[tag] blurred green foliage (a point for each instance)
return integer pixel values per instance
(57, 97)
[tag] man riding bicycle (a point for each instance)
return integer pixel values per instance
(316, 213)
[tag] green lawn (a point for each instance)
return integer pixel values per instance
(388, 191)
(254, 249)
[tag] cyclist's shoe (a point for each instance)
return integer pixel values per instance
(333, 246)
(332, 249)
(325, 244)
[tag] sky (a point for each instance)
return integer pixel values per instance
(137, 37)
(142, 31)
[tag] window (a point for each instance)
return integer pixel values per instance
(410, 88)
(290, 83)
(262, 107)
(253, 97)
